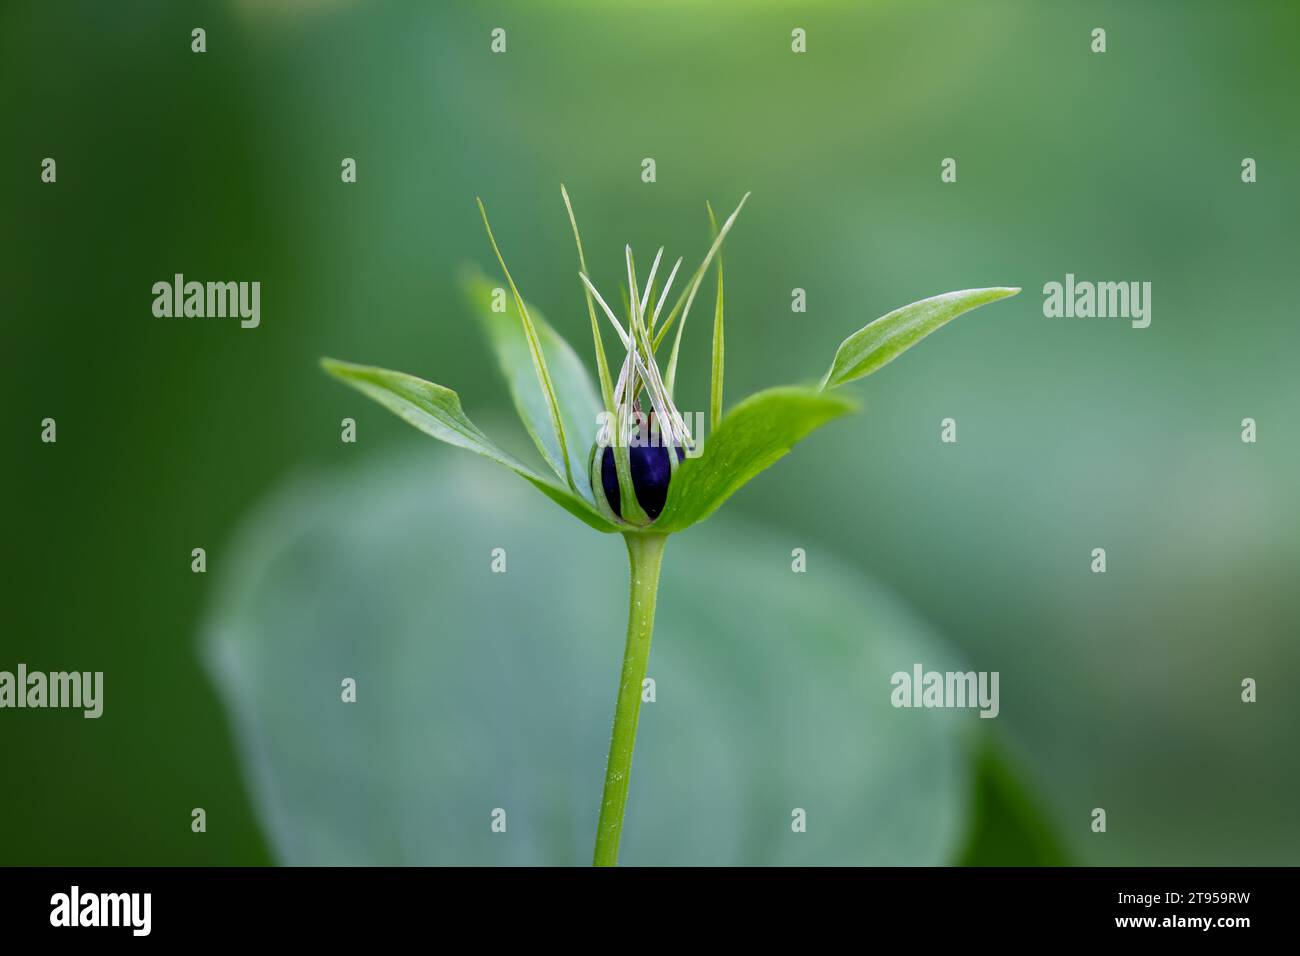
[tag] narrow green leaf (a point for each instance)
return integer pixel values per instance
(651, 304)
(436, 411)
(602, 361)
(574, 392)
(654, 384)
(670, 374)
(719, 349)
(623, 407)
(629, 504)
(622, 467)
(562, 466)
(882, 341)
(683, 304)
(754, 435)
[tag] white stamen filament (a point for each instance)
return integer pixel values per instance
(663, 296)
(608, 311)
(650, 281)
(670, 418)
(639, 370)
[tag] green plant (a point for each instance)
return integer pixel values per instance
(646, 476)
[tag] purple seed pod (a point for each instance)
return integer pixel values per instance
(651, 469)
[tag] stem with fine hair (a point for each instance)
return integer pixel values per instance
(644, 554)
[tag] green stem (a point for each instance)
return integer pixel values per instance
(645, 553)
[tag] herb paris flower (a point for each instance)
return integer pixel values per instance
(646, 475)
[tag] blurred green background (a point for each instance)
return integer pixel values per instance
(1118, 690)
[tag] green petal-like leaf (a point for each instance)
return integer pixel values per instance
(889, 336)
(574, 391)
(754, 435)
(602, 362)
(436, 411)
(561, 462)
(719, 348)
(687, 296)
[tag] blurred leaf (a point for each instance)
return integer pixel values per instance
(477, 691)
(436, 411)
(574, 392)
(1007, 827)
(754, 435)
(883, 340)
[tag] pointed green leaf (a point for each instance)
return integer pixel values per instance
(602, 361)
(719, 348)
(436, 411)
(670, 376)
(754, 435)
(621, 465)
(687, 296)
(572, 386)
(561, 463)
(879, 343)
(656, 391)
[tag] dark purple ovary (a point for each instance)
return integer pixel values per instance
(651, 471)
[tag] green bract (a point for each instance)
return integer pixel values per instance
(559, 404)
